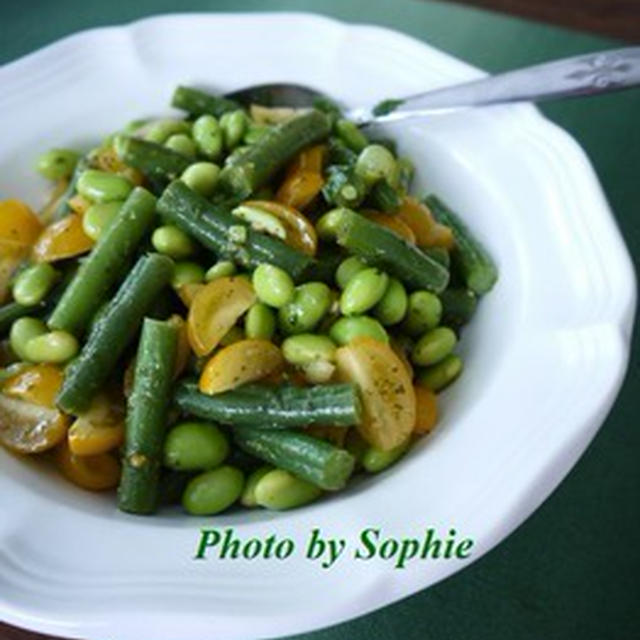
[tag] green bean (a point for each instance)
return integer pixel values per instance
(34, 283)
(433, 346)
(173, 242)
(161, 130)
(198, 102)
(54, 346)
(347, 269)
(22, 331)
(248, 497)
(12, 311)
(101, 186)
(99, 216)
(327, 225)
(441, 375)
(374, 163)
(280, 490)
(57, 164)
(363, 291)
(194, 446)
(346, 329)
(201, 177)
(383, 197)
(393, 305)
(157, 162)
(310, 303)
(213, 491)
(305, 348)
(273, 285)
(234, 126)
(424, 313)
(255, 132)
(351, 135)
(439, 254)
(375, 460)
(182, 143)
(458, 307)
(221, 269)
(208, 136)
(260, 322)
(344, 187)
(186, 273)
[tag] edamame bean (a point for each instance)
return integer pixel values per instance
(181, 143)
(186, 273)
(328, 224)
(160, 131)
(393, 305)
(346, 329)
(57, 164)
(193, 446)
(310, 302)
(347, 269)
(55, 347)
(221, 269)
(233, 125)
(201, 177)
(173, 242)
(33, 284)
(423, 313)
(442, 374)
(99, 216)
(208, 136)
(213, 491)
(280, 490)
(22, 331)
(351, 135)
(363, 291)
(101, 186)
(374, 163)
(305, 348)
(260, 322)
(248, 497)
(375, 460)
(433, 346)
(273, 285)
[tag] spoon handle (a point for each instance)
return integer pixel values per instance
(588, 74)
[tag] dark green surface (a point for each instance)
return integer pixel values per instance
(573, 569)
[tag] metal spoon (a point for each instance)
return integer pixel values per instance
(582, 75)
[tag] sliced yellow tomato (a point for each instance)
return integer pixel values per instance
(426, 409)
(30, 428)
(300, 233)
(62, 239)
(303, 179)
(19, 227)
(241, 362)
(183, 350)
(388, 397)
(215, 309)
(419, 218)
(100, 428)
(394, 223)
(187, 292)
(95, 473)
(106, 159)
(37, 383)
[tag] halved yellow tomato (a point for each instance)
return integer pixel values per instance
(187, 292)
(426, 409)
(215, 309)
(239, 363)
(36, 383)
(62, 239)
(388, 397)
(106, 159)
(420, 220)
(303, 180)
(394, 223)
(95, 473)
(100, 428)
(19, 227)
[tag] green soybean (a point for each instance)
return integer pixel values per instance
(393, 305)
(213, 491)
(260, 322)
(160, 131)
(57, 164)
(310, 303)
(433, 346)
(363, 291)
(201, 177)
(221, 269)
(55, 347)
(186, 273)
(375, 460)
(34, 283)
(280, 490)
(423, 313)
(328, 224)
(193, 446)
(374, 163)
(208, 136)
(233, 125)
(182, 143)
(346, 329)
(351, 135)
(248, 497)
(101, 186)
(347, 269)
(99, 216)
(273, 285)
(173, 242)
(442, 374)
(22, 331)
(305, 348)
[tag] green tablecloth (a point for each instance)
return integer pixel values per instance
(573, 569)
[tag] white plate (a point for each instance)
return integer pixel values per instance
(545, 355)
